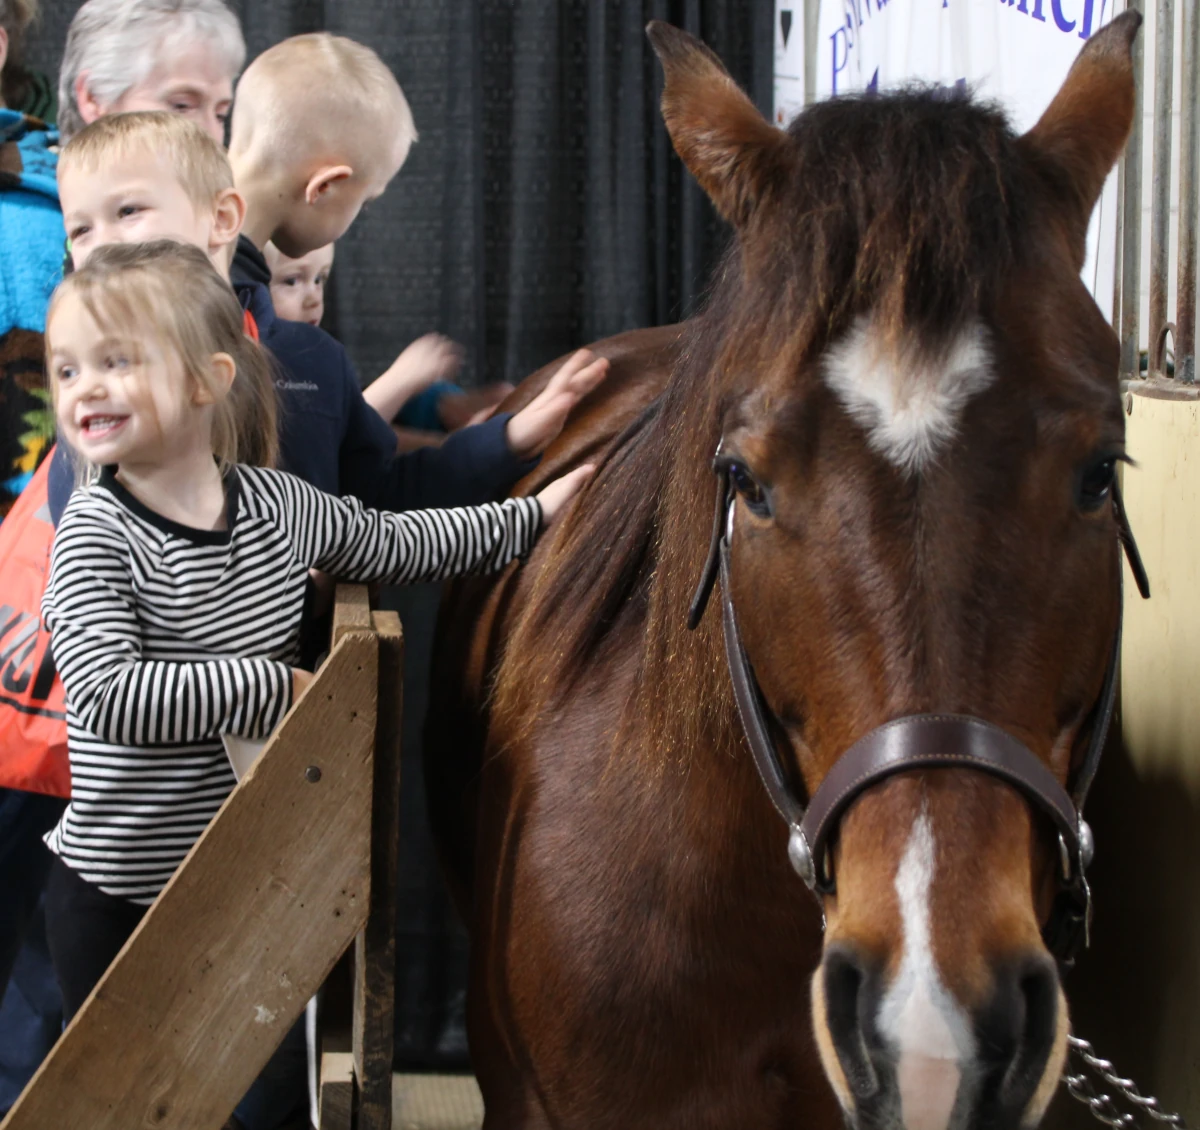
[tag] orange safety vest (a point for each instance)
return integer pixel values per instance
(33, 708)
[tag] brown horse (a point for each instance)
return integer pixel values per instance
(917, 407)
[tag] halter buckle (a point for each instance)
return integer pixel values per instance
(1086, 850)
(801, 857)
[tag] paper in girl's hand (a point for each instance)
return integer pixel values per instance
(242, 753)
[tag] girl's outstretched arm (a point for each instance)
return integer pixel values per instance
(342, 537)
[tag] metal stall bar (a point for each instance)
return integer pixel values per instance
(1189, 181)
(812, 20)
(1131, 223)
(1119, 243)
(1160, 186)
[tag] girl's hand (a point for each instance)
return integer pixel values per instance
(533, 429)
(300, 680)
(556, 496)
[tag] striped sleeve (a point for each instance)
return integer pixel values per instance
(89, 609)
(344, 538)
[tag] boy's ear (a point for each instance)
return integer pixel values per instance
(223, 370)
(89, 108)
(324, 179)
(229, 213)
(3, 48)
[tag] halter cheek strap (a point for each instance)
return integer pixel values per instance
(923, 741)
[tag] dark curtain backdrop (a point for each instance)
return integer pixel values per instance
(541, 209)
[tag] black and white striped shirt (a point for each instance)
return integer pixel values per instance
(167, 637)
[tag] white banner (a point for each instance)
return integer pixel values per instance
(1015, 52)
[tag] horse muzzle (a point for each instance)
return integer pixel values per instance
(904, 1054)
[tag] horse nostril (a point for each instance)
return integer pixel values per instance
(1018, 1031)
(846, 1014)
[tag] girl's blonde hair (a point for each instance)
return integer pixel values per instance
(171, 291)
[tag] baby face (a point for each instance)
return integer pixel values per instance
(298, 285)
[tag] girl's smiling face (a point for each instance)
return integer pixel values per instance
(119, 398)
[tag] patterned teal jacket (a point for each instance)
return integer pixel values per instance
(31, 256)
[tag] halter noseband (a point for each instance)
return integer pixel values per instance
(918, 741)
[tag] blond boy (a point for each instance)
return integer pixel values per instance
(134, 177)
(320, 127)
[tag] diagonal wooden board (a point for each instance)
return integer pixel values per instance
(242, 936)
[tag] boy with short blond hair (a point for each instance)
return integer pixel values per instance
(202, 170)
(321, 126)
(147, 175)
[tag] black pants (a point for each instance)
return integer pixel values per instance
(86, 929)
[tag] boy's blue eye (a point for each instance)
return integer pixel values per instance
(128, 210)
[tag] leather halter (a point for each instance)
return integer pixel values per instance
(919, 741)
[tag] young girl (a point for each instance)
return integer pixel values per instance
(178, 577)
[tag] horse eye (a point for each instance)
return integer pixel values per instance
(1096, 484)
(747, 486)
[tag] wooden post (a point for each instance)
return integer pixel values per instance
(351, 611)
(242, 936)
(375, 948)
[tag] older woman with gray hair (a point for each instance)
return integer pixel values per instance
(180, 55)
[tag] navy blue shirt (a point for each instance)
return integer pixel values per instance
(332, 438)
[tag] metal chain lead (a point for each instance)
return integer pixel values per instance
(1082, 1059)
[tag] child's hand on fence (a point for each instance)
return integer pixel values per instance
(533, 429)
(555, 497)
(300, 680)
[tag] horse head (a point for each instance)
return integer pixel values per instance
(919, 419)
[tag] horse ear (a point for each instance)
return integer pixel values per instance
(725, 142)
(1084, 129)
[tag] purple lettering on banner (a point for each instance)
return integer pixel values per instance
(839, 66)
(1063, 23)
(1037, 11)
(1023, 7)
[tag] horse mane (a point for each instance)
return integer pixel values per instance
(912, 208)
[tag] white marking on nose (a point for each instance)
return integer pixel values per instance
(908, 400)
(924, 1024)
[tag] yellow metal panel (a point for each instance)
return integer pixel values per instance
(1161, 654)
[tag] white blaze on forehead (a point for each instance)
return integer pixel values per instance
(909, 400)
(925, 1026)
